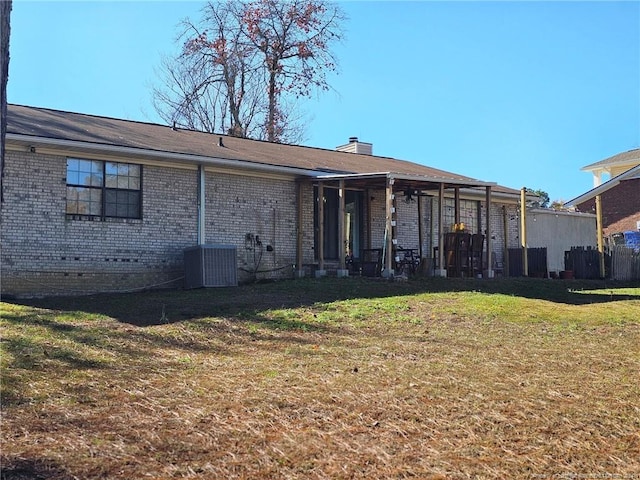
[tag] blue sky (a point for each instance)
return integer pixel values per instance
(521, 93)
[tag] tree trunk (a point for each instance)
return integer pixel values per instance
(271, 115)
(5, 16)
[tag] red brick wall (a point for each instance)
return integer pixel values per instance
(620, 207)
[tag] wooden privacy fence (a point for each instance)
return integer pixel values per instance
(625, 263)
(583, 262)
(536, 260)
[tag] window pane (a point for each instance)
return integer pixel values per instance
(134, 206)
(110, 210)
(121, 210)
(95, 208)
(96, 195)
(123, 169)
(72, 200)
(111, 181)
(123, 182)
(72, 164)
(84, 166)
(134, 170)
(122, 203)
(111, 168)
(134, 183)
(73, 177)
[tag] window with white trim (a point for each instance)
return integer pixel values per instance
(99, 190)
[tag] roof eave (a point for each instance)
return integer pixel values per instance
(407, 177)
(133, 152)
(631, 173)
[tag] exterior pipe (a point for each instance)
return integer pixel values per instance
(299, 232)
(201, 206)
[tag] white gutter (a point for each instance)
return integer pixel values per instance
(186, 158)
(629, 174)
(403, 176)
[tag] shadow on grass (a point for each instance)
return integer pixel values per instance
(221, 318)
(249, 302)
(31, 469)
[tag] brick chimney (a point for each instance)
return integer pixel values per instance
(354, 146)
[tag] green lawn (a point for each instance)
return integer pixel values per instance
(331, 378)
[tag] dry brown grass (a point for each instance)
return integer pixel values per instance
(418, 385)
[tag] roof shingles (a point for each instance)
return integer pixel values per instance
(54, 124)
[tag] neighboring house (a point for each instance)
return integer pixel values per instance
(620, 194)
(100, 204)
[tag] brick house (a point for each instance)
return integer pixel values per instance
(96, 204)
(620, 193)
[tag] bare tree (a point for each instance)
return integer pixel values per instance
(212, 84)
(244, 65)
(5, 23)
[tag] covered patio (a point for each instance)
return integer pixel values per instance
(395, 186)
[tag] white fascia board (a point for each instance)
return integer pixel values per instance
(628, 175)
(74, 146)
(402, 176)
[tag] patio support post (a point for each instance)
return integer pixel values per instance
(342, 272)
(299, 236)
(368, 199)
(523, 231)
(600, 239)
(489, 234)
(442, 270)
(388, 238)
(505, 255)
(420, 227)
(321, 272)
(456, 203)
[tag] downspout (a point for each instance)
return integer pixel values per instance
(299, 232)
(201, 206)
